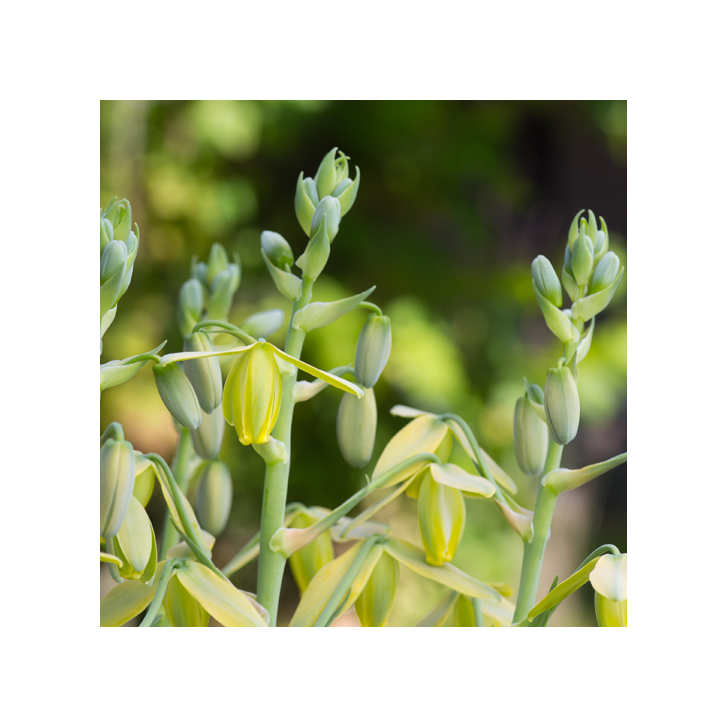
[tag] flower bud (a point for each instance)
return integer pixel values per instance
(600, 244)
(121, 219)
(531, 438)
(329, 209)
(331, 172)
(277, 249)
(112, 259)
(191, 304)
(441, 513)
(181, 608)
(144, 479)
(135, 544)
(213, 498)
(306, 562)
(582, 257)
(608, 579)
(203, 373)
(374, 604)
(117, 484)
(221, 291)
(177, 394)
(207, 438)
(573, 230)
(372, 350)
(605, 273)
(306, 201)
(562, 406)
(546, 280)
(356, 427)
(251, 397)
(107, 233)
(217, 261)
(314, 259)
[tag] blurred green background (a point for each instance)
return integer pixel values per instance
(456, 199)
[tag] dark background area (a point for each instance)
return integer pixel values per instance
(456, 199)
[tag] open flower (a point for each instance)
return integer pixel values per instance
(253, 391)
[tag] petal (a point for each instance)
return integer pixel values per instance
(609, 577)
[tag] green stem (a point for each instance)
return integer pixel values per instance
(271, 564)
(156, 602)
(238, 332)
(481, 461)
(535, 549)
(339, 594)
(181, 476)
(114, 430)
(479, 619)
(371, 306)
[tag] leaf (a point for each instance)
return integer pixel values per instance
(127, 600)
(453, 476)
(585, 345)
(318, 315)
(562, 480)
(218, 597)
(447, 574)
(423, 434)
(117, 372)
(331, 379)
(564, 589)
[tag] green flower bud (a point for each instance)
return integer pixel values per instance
(374, 604)
(306, 562)
(582, 257)
(573, 230)
(107, 233)
(356, 427)
(600, 246)
(314, 259)
(441, 513)
(117, 484)
(546, 280)
(605, 273)
(135, 545)
(372, 350)
(213, 498)
(331, 172)
(181, 608)
(562, 406)
(277, 249)
(566, 274)
(531, 437)
(306, 201)
(346, 191)
(221, 291)
(144, 479)
(119, 214)
(199, 271)
(113, 267)
(191, 304)
(203, 373)
(217, 261)
(251, 397)
(207, 438)
(329, 209)
(177, 394)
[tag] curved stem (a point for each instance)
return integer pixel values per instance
(535, 549)
(182, 458)
(371, 306)
(156, 602)
(114, 430)
(481, 461)
(238, 332)
(143, 357)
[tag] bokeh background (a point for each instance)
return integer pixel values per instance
(456, 199)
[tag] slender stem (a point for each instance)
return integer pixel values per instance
(338, 595)
(481, 461)
(143, 357)
(227, 326)
(371, 306)
(156, 602)
(114, 430)
(272, 565)
(535, 549)
(479, 619)
(179, 469)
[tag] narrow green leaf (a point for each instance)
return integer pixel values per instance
(318, 315)
(562, 480)
(556, 319)
(288, 284)
(563, 590)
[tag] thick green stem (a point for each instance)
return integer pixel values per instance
(271, 564)
(535, 549)
(181, 464)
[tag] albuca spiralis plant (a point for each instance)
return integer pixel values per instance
(179, 581)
